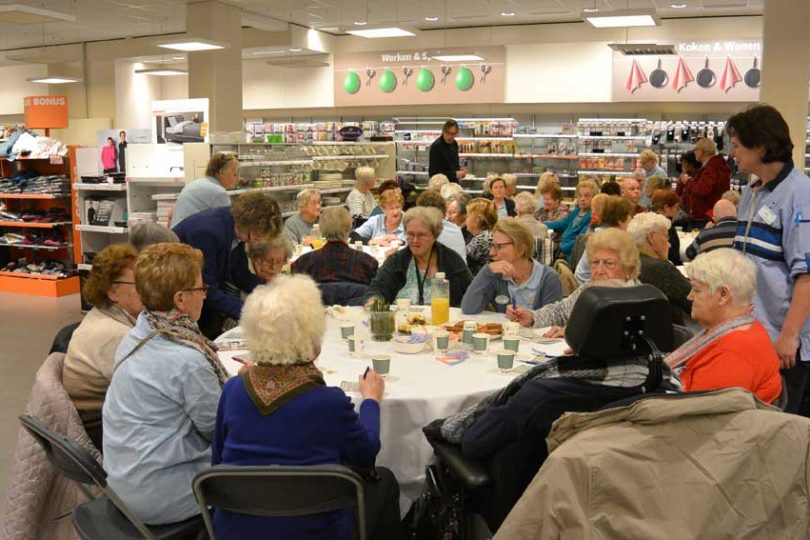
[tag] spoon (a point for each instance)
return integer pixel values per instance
(486, 69)
(408, 72)
(370, 74)
(445, 72)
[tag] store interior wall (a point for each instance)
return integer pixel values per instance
(15, 87)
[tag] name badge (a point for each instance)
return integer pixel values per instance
(766, 215)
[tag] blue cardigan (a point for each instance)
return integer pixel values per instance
(569, 232)
(319, 426)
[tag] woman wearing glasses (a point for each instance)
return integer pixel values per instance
(614, 263)
(514, 277)
(161, 407)
(409, 272)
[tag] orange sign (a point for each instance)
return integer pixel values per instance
(46, 112)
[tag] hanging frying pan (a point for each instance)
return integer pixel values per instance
(659, 77)
(706, 77)
(753, 77)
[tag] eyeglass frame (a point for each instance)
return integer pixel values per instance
(497, 248)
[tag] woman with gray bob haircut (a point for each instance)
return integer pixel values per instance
(361, 200)
(336, 223)
(283, 392)
(146, 233)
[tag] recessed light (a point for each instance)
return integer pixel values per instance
(295, 49)
(507, 13)
(373, 33)
(162, 72)
(191, 45)
(53, 79)
(621, 19)
(360, 23)
(431, 19)
(590, 10)
(678, 6)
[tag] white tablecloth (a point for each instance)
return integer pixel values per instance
(419, 389)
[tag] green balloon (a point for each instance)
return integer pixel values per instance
(388, 81)
(425, 80)
(351, 83)
(464, 79)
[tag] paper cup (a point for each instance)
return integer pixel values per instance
(441, 341)
(470, 328)
(355, 346)
(480, 342)
(511, 343)
(381, 363)
(506, 360)
(346, 330)
(358, 246)
(511, 328)
(403, 304)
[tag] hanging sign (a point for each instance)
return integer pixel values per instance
(45, 112)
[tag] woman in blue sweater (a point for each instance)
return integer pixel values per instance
(279, 411)
(577, 221)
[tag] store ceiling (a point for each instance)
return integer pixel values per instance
(109, 19)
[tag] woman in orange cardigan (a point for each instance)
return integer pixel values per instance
(733, 349)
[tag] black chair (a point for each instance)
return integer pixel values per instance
(62, 339)
(105, 518)
(342, 293)
(680, 335)
(280, 491)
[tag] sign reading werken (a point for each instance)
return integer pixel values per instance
(45, 112)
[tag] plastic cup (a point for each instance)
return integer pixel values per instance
(480, 342)
(403, 304)
(511, 328)
(506, 359)
(470, 328)
(381, 363)
(511, 343)
(358, 246)
(441, 341)
(346, 330)
(355, 346)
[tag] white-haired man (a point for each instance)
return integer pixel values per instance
(707, 187)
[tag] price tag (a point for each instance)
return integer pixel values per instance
(57, 160)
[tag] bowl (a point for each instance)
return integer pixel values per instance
(413, 344)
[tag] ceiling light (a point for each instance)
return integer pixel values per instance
(360, 23)
(53, 79)
(20, 14)
(622, 19)
(460, 57)
(295, 49)
(373, 33)
(162, 72)
(192, 45)
(590, 10)
(178, 57)
(678, 6)
(431, 19)
(507, 13)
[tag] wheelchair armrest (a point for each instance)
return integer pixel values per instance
(468, 470)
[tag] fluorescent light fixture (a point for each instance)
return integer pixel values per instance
(590, 10)
(192, 44)
(621, 19)
(360, 23)
(162, 72)
(507, 13)
(178, 57)
(678, 6)
(431, 19)
(295, 49)
(53, 79)
(267, 53)
(374, 33)
(20, 14)
(461, 57)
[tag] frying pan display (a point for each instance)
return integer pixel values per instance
(753, 76)
(659, 77)
(706, 77)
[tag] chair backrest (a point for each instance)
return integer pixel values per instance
(62, 339)
(342, 293)
(280, 491)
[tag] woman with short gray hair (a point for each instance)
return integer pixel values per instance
(299, 225)
(733, 349)
(146, 233)
(361, 200)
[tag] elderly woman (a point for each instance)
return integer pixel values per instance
(651, 233)
(269, 257)
(450, 190)
(299, 225)
(409, 272)
(162, 402)
(551, 208)
(451, 236)
(513, 275)
(511, 184)
(616, 213)
(495, 190)
(457, 214)
(548, 178)
(221, 174)
(666, 203)
(733, 349)
(360, 200)
(88, 366)
(614, 262)
(525, 206)
(437, 182)
(386, 185)
(146, 233)
(481, 218)
(386, 227)
(337, 261)
(257, 415)
(578, 221)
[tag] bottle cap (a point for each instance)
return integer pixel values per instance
(439, 275)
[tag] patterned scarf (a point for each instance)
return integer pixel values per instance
(676, 359)
(271, 386)
(179, 328)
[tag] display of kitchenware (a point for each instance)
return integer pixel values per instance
(731, 75)
(464, 79)
(753, 77)
(351, 82)
(407, 72)
(659, 77)
(635, 78)
(425, 80)
(445, 72)
(370, 73)
(706, 77)
(486, 69)
(388, 81)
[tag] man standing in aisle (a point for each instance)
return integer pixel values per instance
(712, 180)
(773, 230)
(648, 160)
(444, 154)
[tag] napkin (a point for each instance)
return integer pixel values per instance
(636, 78)
(451, 358)
(683, 76)
(730, 76)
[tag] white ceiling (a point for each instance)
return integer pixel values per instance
(110, 19)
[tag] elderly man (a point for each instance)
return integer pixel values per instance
(712, 180)
(631, 190)
(719, 236)
(299, 225)
(648, 160)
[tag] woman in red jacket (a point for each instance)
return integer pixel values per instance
(733, 349)
(699, 193)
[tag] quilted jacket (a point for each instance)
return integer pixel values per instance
(39, 500)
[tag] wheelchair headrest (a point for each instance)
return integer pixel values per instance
(613, 322)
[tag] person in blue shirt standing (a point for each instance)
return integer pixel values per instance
(773, 229)
(578, 221)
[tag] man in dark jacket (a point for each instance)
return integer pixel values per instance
(712, 180)
(443, 157)
(220, 234)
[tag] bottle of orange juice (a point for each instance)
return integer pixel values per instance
(440, 300)
(317, 239)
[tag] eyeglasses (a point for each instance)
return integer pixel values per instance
(203, 289)
(608, 265)
(270, 262)
(452, 133)
(498, 247)
(420, 236)
(124, 282)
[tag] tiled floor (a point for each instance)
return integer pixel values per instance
(28, 325)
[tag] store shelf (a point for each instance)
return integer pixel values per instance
(165, 196)
(349, 157)
(605, 172)
(545, 156)
(568, 189)
(102, 229)
(335, 190)
(422, 143)
(100, 187)
(35, 246)
(615, 137)
(347, 143)
(250, 164)
(481, 155)
(484, 138)
(544, 136)
(38, 284)
(525, 187)
(420, 173)
(157, 181)
(418, 130)
(83, 266)
(608, 154)
(31, 225)
(527, 174)
(33, 196)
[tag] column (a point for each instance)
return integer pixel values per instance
(786, 66)
(217, 75)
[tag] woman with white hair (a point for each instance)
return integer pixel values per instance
(279, 411)
(450, 190)
(436, 182)
(299, 225)
(360, 200)
(733, 349)
(525, 206)
(651, 234)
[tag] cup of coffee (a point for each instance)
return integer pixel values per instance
(381, 363)
(355, 346)
(506, 359)
(511, 328)
(346, 330)
(441, 341)
(470, 328)
(480, 342)
(403, 304)
(511, 343)
(358, 246)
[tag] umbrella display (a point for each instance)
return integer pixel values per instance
(683, 76)
(730, 76)
(636, 78)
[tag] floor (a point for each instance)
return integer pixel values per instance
(28, 325)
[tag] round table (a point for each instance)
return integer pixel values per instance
(418, 390)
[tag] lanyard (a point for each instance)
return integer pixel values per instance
(421, 279)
